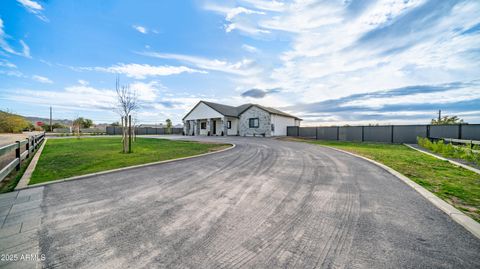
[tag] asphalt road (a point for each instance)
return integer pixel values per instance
(264, 204)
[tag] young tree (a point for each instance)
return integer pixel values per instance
(77, 124)
(87, 123)
(447, 120)
(126, 105)
(169, 126)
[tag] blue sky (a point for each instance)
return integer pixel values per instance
(328, 62)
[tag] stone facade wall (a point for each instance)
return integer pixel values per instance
(264, 127)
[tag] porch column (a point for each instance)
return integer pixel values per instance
(196, 127)
(225, 126)
(210, 126)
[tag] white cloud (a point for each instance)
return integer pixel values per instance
(83, 82)
(34, 8)
(244, 67)
(12, 73)
(141, 71)
(245, 28)
(3, 43)
(42, 79)
(444, 97)
(140, 29)
(249, 48)
(26, 49)
(330, 56)
(231, 12)
(31, 5)
(5, 63)
(235, 20)
(266, 5)
(6, 47)
(77, 99)
(147, 91)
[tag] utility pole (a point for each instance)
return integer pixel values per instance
(51, 127)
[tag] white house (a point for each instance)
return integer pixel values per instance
(208, 118)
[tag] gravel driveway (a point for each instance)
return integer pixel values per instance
(264, 204)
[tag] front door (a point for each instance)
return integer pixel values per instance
(214, 128)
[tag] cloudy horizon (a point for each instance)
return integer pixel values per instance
(327, 62)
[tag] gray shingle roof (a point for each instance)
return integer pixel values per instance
(223, 109)
(233, 111)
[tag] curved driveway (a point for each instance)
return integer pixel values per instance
(264, 204)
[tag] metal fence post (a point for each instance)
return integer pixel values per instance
(316, 133)
(459, 131)
(391, 134)
(363, 133)
(17, 155)
(338, 133)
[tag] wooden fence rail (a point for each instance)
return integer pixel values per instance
(31, 144)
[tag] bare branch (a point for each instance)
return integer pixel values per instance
(127, 99)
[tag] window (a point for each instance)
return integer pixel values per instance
(229, 124)
(253, 123)
(203, 125)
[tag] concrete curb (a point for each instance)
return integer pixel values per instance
(457, 215)
(29, 171)
(124, 169)
(445, 159)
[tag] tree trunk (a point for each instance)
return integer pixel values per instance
(129, 133)
(125, 130)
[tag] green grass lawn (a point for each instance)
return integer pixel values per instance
(458, 186)
(62, 158)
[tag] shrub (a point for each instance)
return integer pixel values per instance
(466, 152)
(12, 123)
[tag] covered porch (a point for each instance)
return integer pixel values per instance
(208, 127)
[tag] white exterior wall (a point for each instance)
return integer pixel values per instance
(203, 131)
(234, 129)
(202, 111)
(280, 124)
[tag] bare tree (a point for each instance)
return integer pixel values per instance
(135, 124)
(76, 124)
(127, 103)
